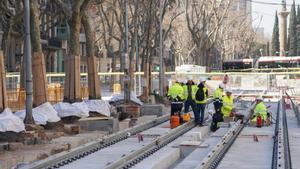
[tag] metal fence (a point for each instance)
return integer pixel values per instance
(237, 81)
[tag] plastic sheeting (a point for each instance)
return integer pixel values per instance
(41, 114)
(10, 122)
(120, 97)
(76, 109)
(99, 106)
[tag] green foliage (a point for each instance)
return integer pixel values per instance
(275, 48)
(292, 39)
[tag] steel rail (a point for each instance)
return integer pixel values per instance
(281, 149)
(139, 155)
(67, 157)
(214, 157)
(287, 154)
(275, 137)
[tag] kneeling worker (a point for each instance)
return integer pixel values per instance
(260, 110)
(227, 104)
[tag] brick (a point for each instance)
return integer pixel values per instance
(60, 148)
(131, 109)
(71, 128)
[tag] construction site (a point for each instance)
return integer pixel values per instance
(149, 84)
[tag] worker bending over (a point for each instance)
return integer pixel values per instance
(227, 106)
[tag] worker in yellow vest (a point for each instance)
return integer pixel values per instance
(227, 106)
(260, 109)
(201, 99)
(190, 90)
(217, 97)
(175, 95)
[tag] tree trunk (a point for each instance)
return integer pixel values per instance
(72, 90)
(93, 78)
(113, 67)
(38, 60)
(3, 94)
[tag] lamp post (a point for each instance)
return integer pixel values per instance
(161, 67)
(28, 71)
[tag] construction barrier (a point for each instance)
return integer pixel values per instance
(16, 98)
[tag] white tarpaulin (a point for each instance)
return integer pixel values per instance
(10, 122)
(41, 114)
(75, 109)
(119, 97)
(99, 106)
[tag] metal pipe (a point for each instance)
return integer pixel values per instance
(161, 67)
(27, 55)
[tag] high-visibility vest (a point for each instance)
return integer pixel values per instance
(227, 105)
(218, 94)
(205, 96)
(261, 109)
(186, 92)
(176, 91)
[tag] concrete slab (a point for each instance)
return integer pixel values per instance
(245, 153)
(144, 119)
(151, 109)
(294, 138)
(99, 124)
(172, 153)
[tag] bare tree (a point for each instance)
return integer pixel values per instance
(204, 19)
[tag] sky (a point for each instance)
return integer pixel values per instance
(267, 12)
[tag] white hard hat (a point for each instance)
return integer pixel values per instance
(260, 98)
(221, 85)
(202, 80)
(229, 91)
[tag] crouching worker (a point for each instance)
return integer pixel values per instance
(260, 113)
(227, 107)
(175, 95)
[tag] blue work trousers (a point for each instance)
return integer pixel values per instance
(199, 115)
(187, 105)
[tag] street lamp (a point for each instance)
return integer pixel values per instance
(161, 70)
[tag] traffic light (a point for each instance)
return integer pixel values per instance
(156, 68)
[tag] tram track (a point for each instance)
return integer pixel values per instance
(65, 158)
(281, 150)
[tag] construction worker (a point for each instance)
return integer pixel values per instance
(260, 109)
(190, 90)
(227, 101)
(175, 95)
(201, 99)
(218, 94)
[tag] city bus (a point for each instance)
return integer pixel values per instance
(278, 62)
(237, 64)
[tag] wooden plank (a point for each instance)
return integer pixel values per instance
(77, 85)
(67, 77)
(1, 83)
